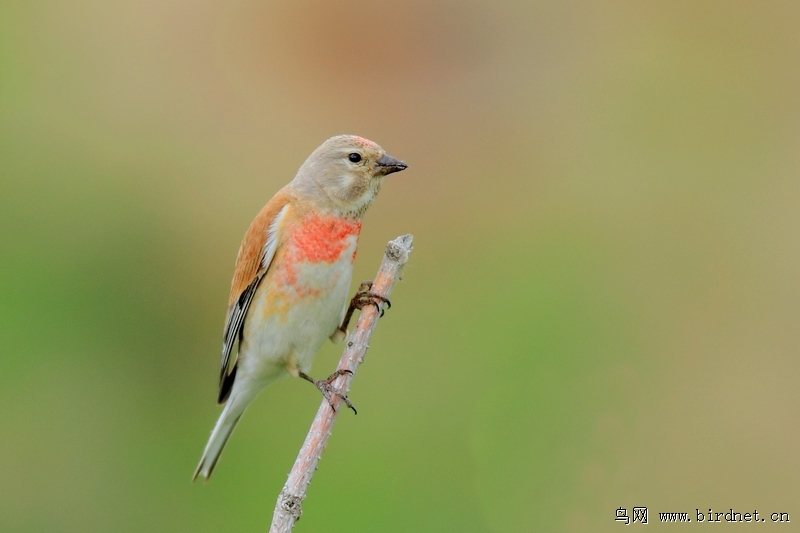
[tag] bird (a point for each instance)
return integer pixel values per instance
(292, 278)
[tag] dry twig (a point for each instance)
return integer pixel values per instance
(289, 506)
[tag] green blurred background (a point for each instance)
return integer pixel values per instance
(601, 309)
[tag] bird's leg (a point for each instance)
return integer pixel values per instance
(325, 386)
(363, 297)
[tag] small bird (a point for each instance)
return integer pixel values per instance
(292, 277)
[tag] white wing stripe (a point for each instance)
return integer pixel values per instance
(272, 238)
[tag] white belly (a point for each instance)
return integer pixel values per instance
(285, 326)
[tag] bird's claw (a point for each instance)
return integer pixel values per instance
(328, 390)
(365, 296)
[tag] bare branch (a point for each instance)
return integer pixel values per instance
(289, 506)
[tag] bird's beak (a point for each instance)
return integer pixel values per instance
(388, 164)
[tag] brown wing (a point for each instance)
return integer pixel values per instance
(255, 256)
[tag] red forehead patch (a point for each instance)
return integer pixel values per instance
(366, 143)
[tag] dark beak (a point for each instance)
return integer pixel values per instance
(388, 164)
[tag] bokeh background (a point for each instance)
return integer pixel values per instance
(601, 310)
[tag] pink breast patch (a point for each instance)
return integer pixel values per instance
(323, 239)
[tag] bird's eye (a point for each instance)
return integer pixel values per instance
(354, 158)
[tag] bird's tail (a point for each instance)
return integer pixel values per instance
(222, 431)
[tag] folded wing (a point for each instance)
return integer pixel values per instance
(256, 253)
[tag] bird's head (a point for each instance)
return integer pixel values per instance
(345, 174)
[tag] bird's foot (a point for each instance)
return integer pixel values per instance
(328, 390)
(364, 296)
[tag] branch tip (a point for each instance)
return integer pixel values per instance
(399, 248)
